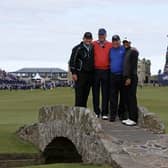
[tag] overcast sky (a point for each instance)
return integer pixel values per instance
(41, 33)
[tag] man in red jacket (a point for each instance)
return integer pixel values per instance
(101, 74)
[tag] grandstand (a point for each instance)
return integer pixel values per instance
(29, 78)
(10, 81)
(45, 73)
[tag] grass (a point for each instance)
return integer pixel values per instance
(156, 100)
(68, 166)
(21, 107)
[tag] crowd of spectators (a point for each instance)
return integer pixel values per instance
(10, 82)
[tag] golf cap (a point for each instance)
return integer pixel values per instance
(88, 35)
(116, 38)
(126, 41)
(102, 31)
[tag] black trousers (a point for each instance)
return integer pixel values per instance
(117, 106)
(101, 82)
(131, 99)
(82, 88)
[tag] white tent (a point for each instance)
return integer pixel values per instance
(37, 77)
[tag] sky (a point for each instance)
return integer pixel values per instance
(42, 33)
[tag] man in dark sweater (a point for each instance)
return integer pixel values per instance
(81, 65)
(131, 80)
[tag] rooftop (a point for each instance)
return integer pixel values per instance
(39, 70)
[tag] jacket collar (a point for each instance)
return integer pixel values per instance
(83, 46)
(101, 44)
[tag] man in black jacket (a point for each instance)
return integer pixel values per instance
(81, 66)
(131, 80)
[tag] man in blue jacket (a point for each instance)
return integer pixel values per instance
(117, 54)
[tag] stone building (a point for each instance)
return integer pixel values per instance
(144, 71)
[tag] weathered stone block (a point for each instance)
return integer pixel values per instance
(150, 121)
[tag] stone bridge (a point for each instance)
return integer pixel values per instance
(73, 134)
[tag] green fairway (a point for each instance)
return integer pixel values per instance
(68, 166)
(21, 107)
(156, 100)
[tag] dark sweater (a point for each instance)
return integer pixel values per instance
(130, 62)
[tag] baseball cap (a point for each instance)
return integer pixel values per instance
(126, 41)
(88, 35)
(116, 38)
(102, 31)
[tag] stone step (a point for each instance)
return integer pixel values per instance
(19, 160)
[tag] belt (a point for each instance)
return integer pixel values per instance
(117, 74)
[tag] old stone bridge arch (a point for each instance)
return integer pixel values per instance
(61, 150)
(78, 128)
(73, 134)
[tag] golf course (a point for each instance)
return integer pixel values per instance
(18, 108)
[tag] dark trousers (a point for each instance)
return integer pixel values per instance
(82, 88)
(117, 90)
(131, 99)
(101, 82)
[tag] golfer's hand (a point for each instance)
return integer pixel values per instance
(128, 82)
(74, 77)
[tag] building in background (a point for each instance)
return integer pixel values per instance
(144, 71)
(45, 73)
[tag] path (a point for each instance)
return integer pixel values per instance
(145, 149)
